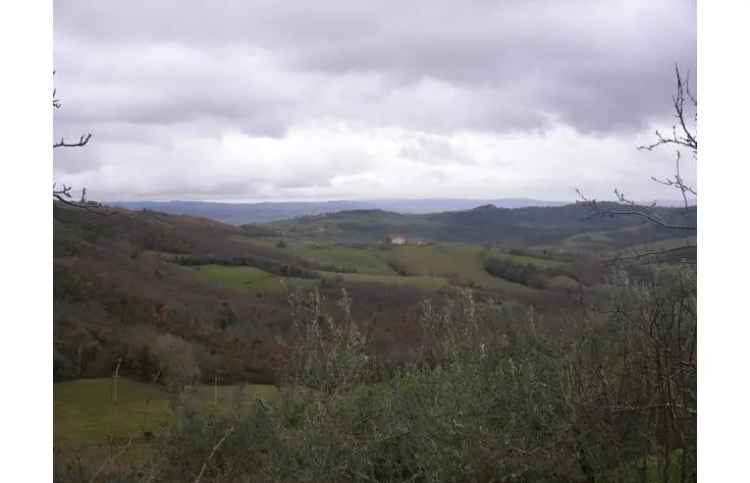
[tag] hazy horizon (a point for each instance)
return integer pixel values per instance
(658, 201)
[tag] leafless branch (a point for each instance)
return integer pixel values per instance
(629, 208)
(682, 135)
(678, 183)
(111, 459)
(213, 451)
(82, 141)
(64, 195)
(650, 407)
(55, 101)
(648, 254)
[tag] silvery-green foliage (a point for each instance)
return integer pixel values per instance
(493, 399)
(176, 360)
(328, 354)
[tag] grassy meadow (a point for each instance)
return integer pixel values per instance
(85, 410)
(427, 266)
(251, 279)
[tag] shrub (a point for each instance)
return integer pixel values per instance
(527, 274)
(611, 398)
(328, 355)
(398, 266)
(176, 359)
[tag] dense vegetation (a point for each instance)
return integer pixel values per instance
(440, 361)
(490, 399)
(521, 227)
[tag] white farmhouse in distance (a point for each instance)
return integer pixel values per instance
(396, 239)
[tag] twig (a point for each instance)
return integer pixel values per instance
(648, 254)
(631, 209)
(213, 451)
(84, 140)
(63, 195)
(681, 137)
(111, 459)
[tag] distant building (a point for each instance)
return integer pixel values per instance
(397, 239)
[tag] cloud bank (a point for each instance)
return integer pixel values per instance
(240, 100)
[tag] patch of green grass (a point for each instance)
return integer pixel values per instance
(365, 259)
(251, 278)
(227, 395)
(84, 410)
(540, 262)
(368, 259)
(418, 281)
(461, 263)
(265, 242)
(588, 238)
(426, 259)
(430, 266)
(562, 282)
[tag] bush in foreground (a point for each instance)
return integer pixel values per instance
(612, 398)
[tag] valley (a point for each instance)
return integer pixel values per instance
(172, 300)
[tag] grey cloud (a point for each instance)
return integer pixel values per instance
(613, 54)
(162, 83)
(435, 150)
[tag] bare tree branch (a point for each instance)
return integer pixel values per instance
(213, 451)
(683, 135)
(629, 208)
(654, 254)
(678, 183)
(64, 194)
(111, 459)
(84, 139)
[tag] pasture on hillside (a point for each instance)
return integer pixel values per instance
(251, 278)
(85, 410)
(429, 266)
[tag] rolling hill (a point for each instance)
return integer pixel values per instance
(264, 212)
(122, 281)
(565, 227)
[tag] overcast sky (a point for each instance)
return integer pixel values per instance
(342, 99)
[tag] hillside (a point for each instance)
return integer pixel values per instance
(567, 227)
(264, 212)
(174, 300)
(122, 281)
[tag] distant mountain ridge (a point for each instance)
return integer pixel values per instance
(528, 226)
(266, 212)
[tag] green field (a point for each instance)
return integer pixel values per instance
(360, 259)
(539, 262)
(430, 266)
(595, 240)
(459, 262)
(84, 410)
(417, 281)
(251, 278)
